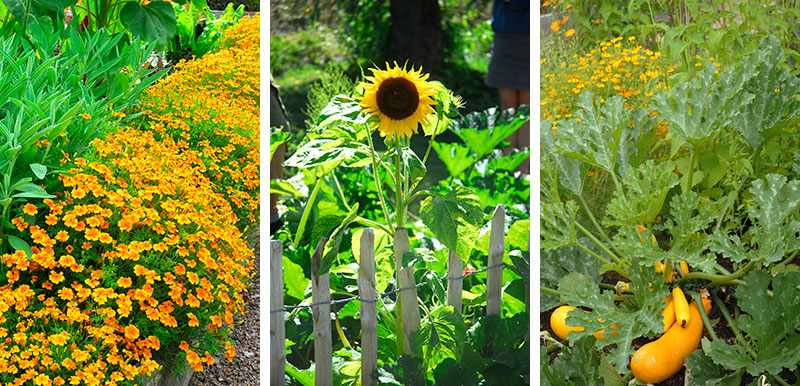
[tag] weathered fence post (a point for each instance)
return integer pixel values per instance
(497, 248)
(277, 332)
(321, 293)
(408, 297)
(369, 313)
(455, 269)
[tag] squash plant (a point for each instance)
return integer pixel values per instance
(722, 198)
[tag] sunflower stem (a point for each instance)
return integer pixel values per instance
(401, 205)
(377, 180)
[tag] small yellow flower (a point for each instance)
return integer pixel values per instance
(555, 26)
(85, 116)
(569, 32)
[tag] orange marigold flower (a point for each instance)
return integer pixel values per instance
(29, 209)
(124, 282)
(56, 277)
(131, 332)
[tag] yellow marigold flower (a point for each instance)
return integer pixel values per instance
(569, 32)
(555, 26)
(400, 98)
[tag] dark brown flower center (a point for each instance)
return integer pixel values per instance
(397, 98)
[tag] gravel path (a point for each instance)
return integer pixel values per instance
(244, 370)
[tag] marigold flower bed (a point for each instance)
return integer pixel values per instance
(142, 253)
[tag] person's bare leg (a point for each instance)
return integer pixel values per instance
(524, 132)
(509, 99)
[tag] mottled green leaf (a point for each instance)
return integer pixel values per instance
(579, 365)
(484, 130)
(456, 158)
(642, 194)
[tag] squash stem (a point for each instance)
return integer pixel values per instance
(734, 327)
(598, 243)
(718, 278)
(704, 316)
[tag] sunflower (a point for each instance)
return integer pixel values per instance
(400, 98)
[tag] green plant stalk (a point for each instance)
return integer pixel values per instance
(435, 129)
(401, 206)
(551, 291)
(689, 172)
(593, 219)
(301, 228)
(704, 316)
(370, 223)
(377, 181)
(339, 190)
(596, 256)
(732, 282)
(718, 278)
(727, 206)
(339, 331)
(598, 243)
(734, 327)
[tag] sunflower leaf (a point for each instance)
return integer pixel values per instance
(454, 219)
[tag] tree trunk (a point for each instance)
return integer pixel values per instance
(416, 34)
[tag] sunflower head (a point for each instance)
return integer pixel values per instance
(399, 98)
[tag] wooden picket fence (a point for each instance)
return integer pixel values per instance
(321, 301)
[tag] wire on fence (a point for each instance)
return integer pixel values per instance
(387, 293)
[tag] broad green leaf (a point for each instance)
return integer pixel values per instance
(31, 190)
(579, 365)
(19, 245)
(603, 137)
(413, 166)
(558, 263)
(456, 158)
(39, 170)
(772, 335)
(154, 22)
(454, 219)
(485, 130)
(689, 218)
(341, 108)
(775, 200)
(633, 242)
(277, 138)
(509, 162)
(558, 224)
(384, 256)
(453, 373)
(303, 377)
(442, 336)
(609, 373)
(775, 93)
(702, 371)
(323, 151)
(642, 194)
(518, 236)
(286, 188)
(643, 318)
(729, 246)
(697, 108)
(335, 239)
(294, 280)
(569, 172)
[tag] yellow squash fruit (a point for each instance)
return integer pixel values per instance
(664, 357)
(668, 314)
(682, 315)
(684, 268)
(558, 322)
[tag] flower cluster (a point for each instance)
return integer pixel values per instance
(141, 251)
(617, 67)
(212, 105)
